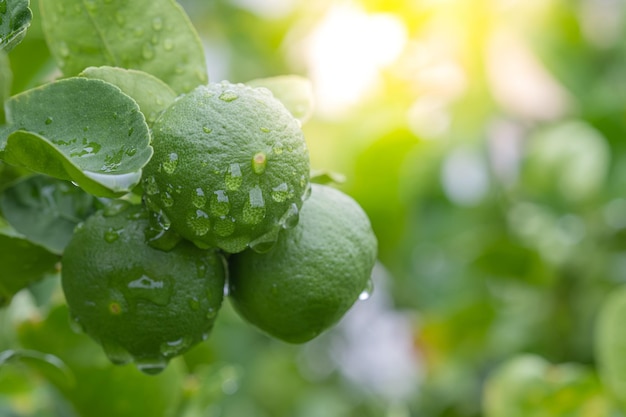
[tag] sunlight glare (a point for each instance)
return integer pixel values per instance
(346, 52)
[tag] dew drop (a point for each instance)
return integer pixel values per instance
(49, 120)
(228, 96)
(175, 347)
(219, 203)
(278, 148)
(266, 242)
(281, 193)
(199, 222)
(116, 353)
(198, 199)
(207, 130)
(156, 291)
(151, 366)
(112, 234)
(259, 161)
(150, 186)
(170, 165)
(166, 199)
(290, 219)
(367, 291)
(254, 208)
(224, 226)
(307, 191)
(233, 178)
(168, 44)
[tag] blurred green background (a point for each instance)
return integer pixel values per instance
(485, 139)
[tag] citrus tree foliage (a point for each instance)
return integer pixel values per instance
(497, 199)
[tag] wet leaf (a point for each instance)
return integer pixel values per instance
(151, 94)
(15, 18)
(82, 130)
(46, 210)
(152, 36)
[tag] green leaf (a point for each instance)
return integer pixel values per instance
(46, 210)
(15, 17)
(154, 36)
(102, 389)
(6, 78)
(151, 94)
(23, 262)
(610, 344)
(50, 366)
(295, 92)
(87, 131)
(529, 386)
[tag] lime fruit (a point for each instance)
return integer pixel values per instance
(141, 304)
(230, 167)
(314, 273)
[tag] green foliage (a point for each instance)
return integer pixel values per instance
(152, 36)
(488, 155)
(15, 17)
(59, 130)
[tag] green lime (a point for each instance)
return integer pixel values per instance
(141, 304)
(230, 167)
(314, 273)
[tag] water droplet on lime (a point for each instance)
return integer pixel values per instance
(49, 120)
(157, 291)
(278, 148)
(367, 291)
(224, 226)
(219, 203)
(281, 192)
(233, 178)
(112, 234)
(228, 96)
(170, 165)
(150, 186)
(115, 352)
(199, 222)
(266, 242)
(290, 218)
(151, 366)
(166, 199)
(198, 199)
(254, 208)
